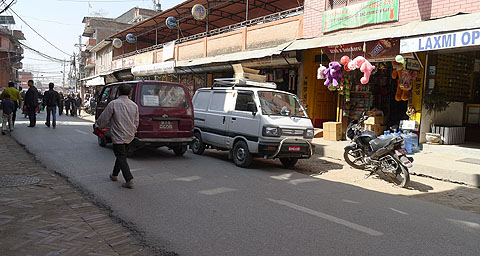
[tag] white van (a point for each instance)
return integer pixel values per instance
(250, 120)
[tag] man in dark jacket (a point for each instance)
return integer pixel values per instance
(61, 104)
(8, 107)
(31, 102)
(51, 99)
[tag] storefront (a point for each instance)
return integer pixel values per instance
(452, 86)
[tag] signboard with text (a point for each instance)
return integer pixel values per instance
(440, 41)
(380, 49)
(357, 15)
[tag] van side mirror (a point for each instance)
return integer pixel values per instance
(252, 108)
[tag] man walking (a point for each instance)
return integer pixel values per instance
(78, 104)
(61, 104)
(51, 99)
(15, 97)
(31, 102)
(122, 117)
(8, 107)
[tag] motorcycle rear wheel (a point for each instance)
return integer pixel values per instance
(402, 178)
(348, 154)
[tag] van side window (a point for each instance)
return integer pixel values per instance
(113, 93)
(201, 100)
(105, 94)
(218, 101)
(243, 98)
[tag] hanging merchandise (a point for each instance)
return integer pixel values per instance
(365, 67)
(321, 72)
(345, 60)
(405, 84)
(345, 87)
(400, 59)
(334, 73)
(291, 80)
(397, 70)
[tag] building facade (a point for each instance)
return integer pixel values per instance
(11, 55)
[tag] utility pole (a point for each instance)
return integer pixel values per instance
(63, 81)
(78, 73)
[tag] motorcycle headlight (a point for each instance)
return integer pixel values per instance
(309, 133)
(271, 131)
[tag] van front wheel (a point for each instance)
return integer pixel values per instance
(288, 161)
(241, 154)
(197, 145)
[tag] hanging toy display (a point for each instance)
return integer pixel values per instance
(321, 72)
(397, 70)
(405, 84)
(334, 73)
(365, 67)
(346, 85)
(345, 60)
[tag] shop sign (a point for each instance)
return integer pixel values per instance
(441, 41)
(413, 64)
(357, 15)
(380, 49)
(128, 62)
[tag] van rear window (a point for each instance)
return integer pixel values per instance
(163, 95)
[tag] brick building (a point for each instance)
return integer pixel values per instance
(11, 54)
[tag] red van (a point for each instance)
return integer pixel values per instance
(165, 112)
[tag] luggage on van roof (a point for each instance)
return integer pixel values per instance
(242, 82)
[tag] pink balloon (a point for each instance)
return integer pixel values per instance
(344, 60)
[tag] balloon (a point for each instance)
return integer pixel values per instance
(400, 59)
(345, 60)
(117, 43)
(130, 38)
(171, 22)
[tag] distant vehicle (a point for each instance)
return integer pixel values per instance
(165, 110)
(249, 119)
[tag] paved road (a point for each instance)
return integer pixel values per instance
(205, 205)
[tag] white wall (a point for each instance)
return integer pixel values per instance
(453, 116)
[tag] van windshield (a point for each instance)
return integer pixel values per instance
(278, 103)
(164, 95)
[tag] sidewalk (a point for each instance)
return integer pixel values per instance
(42, 214)
(440, 162)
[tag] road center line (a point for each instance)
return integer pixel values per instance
(82, 132)
(328, 217)
(395, 210)
(216, 191)
(350, 201)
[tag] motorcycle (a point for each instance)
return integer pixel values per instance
(367, 152)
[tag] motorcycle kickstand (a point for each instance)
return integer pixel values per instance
(370, 174)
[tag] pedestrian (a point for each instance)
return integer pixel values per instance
(8, 106)
(15, 97)
(31, 102)
(61, 103)
(122, 116)
(78, 104)
(73, 105)
(40, 101)
(51, 99)
(67, 104)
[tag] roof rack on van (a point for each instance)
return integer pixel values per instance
(242, 82)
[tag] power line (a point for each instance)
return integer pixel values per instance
(38, 33)
(42, 54)
(52, 21)
(8, 6)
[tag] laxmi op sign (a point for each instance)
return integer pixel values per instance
(440, 41)
(357, 15)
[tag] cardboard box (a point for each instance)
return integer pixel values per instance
(376, 128)
(375, 120)
(332, 131)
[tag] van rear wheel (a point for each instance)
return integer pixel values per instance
(288, 161)
(197, 145)
(180, 150)
(102, 142)
(241, 154)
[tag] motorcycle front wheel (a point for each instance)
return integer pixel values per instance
(402, 177)
(354, 158)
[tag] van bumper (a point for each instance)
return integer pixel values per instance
(297, 148)
(160, 142)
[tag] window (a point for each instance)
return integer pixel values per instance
(243, 98)
(164, 95)
(113, 93)
(201, 100)
(278, 103)
(333, 4)
(218, 101)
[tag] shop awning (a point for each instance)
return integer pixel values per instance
(154, 69)
(453, 23)
(253, 54)
(94, 80)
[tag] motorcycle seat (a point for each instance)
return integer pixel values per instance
(377, 143)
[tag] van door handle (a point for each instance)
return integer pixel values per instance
(223, 120)
(234, 118)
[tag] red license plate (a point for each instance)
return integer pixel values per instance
(293, 148)
(401, 152)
